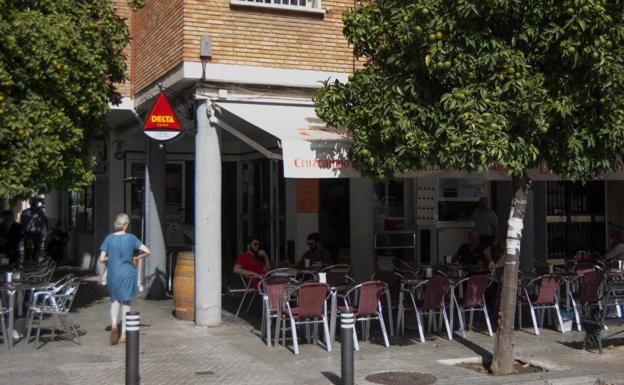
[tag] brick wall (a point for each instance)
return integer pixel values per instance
(122, 9)
(167, 32)
(267, 37)
(157, 43)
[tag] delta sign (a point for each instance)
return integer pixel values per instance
(162, 123)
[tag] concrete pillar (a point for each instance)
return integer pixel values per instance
(207, 219)
(155, 220)
(361, 207)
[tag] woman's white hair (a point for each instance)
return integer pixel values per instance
(120, 221)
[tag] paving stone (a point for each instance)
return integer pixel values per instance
(177, 352)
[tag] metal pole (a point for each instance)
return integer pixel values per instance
(132, 348)
(347, 323)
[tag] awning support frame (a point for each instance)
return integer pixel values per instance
(247, 140)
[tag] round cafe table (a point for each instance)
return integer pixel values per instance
(12, 288)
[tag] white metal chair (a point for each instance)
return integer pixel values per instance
(4, 311)
(249, 287)
(55, 303)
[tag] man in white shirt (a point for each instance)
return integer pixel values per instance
(486, 221)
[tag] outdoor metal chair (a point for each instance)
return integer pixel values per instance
(249, 286)
(589, 285)
(405, 269)
(473, 299)
(432, 302)
(310, 309)
(4, 311)
(547, 297)
(272, 289)
(393, 281)
(366, 307)
(55, 303)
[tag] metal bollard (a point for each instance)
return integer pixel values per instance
(132, 348)
(347, 323)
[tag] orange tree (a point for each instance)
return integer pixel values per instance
(59, 60)
(471, 84)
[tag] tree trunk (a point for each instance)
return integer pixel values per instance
(503, 360)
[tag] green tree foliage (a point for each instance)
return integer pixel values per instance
(477, 84)
(473, 84)
(59, 60)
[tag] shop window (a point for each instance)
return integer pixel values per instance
(81, 206)
(575, 218)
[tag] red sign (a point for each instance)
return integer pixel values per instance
(162, 123)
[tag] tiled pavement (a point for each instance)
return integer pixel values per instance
(177, 352)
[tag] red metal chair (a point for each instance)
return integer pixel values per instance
(366, 307)
(310, 308)
(589, 284)
(435, 290)
(547, 297)
(272, 289)
(393, 280)
(474, 299)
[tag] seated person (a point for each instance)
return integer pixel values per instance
(495, 255)
(317, 254)
(253, 263)
(470, 255)
(615, 250)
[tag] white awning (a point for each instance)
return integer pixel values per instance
(310, 149)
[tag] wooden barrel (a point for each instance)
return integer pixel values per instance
(184, 286)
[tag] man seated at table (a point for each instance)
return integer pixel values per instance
(470, 255)
(253, 263)
(317, 254)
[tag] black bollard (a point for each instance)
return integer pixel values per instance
(347, 323)
(132, 348)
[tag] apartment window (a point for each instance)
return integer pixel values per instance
(299, 5)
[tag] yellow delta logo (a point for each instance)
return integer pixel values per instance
(162, 119)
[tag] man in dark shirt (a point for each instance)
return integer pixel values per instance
(316, 253)
(470, 255)
(35, 225)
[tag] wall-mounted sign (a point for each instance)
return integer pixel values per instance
(307, 195)
(162, 123)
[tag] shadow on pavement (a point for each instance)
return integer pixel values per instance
(89, 292)
(333, 377)
(486, 355)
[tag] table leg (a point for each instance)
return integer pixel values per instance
(567, 294)
(11, 314)
(452, 309)
(390, 318)
(332, 317)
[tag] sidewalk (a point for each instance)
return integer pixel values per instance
(177, 352)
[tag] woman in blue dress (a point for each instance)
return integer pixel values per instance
(118, 250)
